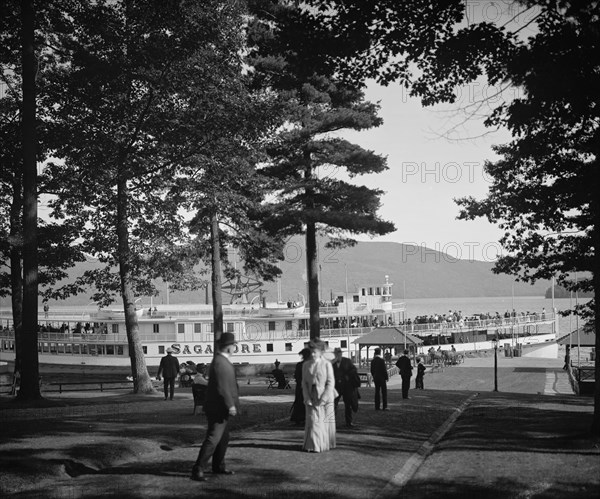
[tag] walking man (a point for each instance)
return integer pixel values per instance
(346, 385)
(169, 368)
(380, 378)
(222, 400)
(405, 367)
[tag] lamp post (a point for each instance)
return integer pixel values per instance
(495, 344)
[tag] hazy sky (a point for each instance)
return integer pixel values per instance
(427, 170)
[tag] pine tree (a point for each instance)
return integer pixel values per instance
(117, 106)
(319, 106)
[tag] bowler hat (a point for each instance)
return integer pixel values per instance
(227, 339)
(170, 350)
(337, 350)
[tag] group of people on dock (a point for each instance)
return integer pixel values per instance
(456, 318)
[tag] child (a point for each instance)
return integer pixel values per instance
(420, 374)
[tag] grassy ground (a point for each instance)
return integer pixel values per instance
(454, 440)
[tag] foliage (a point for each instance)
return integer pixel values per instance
(57, 248)
(544, 189)
(116, 104)
(306, 159)
(219, 177)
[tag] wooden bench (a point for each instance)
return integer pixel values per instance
(273, 383)
(365, 378)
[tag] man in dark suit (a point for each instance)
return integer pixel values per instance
(222, 400)
(169, 367)
(380, 377)
(345, 383)
(405, 367)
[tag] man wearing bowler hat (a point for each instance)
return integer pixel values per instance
(346, 385)
(222, 400)
(169, 367)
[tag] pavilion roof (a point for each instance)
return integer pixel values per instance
(585, 338)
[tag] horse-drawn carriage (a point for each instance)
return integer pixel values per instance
(442, 358)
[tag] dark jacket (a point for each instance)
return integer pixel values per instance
(222, 391)
(169, 367)
(379, 370)
(404, 366)
(345, 376)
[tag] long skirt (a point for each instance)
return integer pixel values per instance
(319, 428)
(298, 411)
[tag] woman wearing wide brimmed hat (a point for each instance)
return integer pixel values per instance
(318, 389)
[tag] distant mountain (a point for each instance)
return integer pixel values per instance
(415, 271)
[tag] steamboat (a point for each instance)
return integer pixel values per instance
(265, 332)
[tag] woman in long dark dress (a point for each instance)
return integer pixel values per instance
(298, 410)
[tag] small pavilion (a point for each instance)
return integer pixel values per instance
(582, 337)
(582, 364)
(387, 337)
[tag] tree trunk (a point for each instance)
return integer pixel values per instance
(595, 206)
(139, 371)
(596, 277)
(216, 281)
(16, 269)
(30, 386)
(312, 274)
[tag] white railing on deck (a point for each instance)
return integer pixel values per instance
(299, 334)
(456, 327)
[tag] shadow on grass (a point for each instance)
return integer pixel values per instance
(504, 488)
(509, 422)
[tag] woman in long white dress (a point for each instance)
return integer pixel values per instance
(318, 385)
